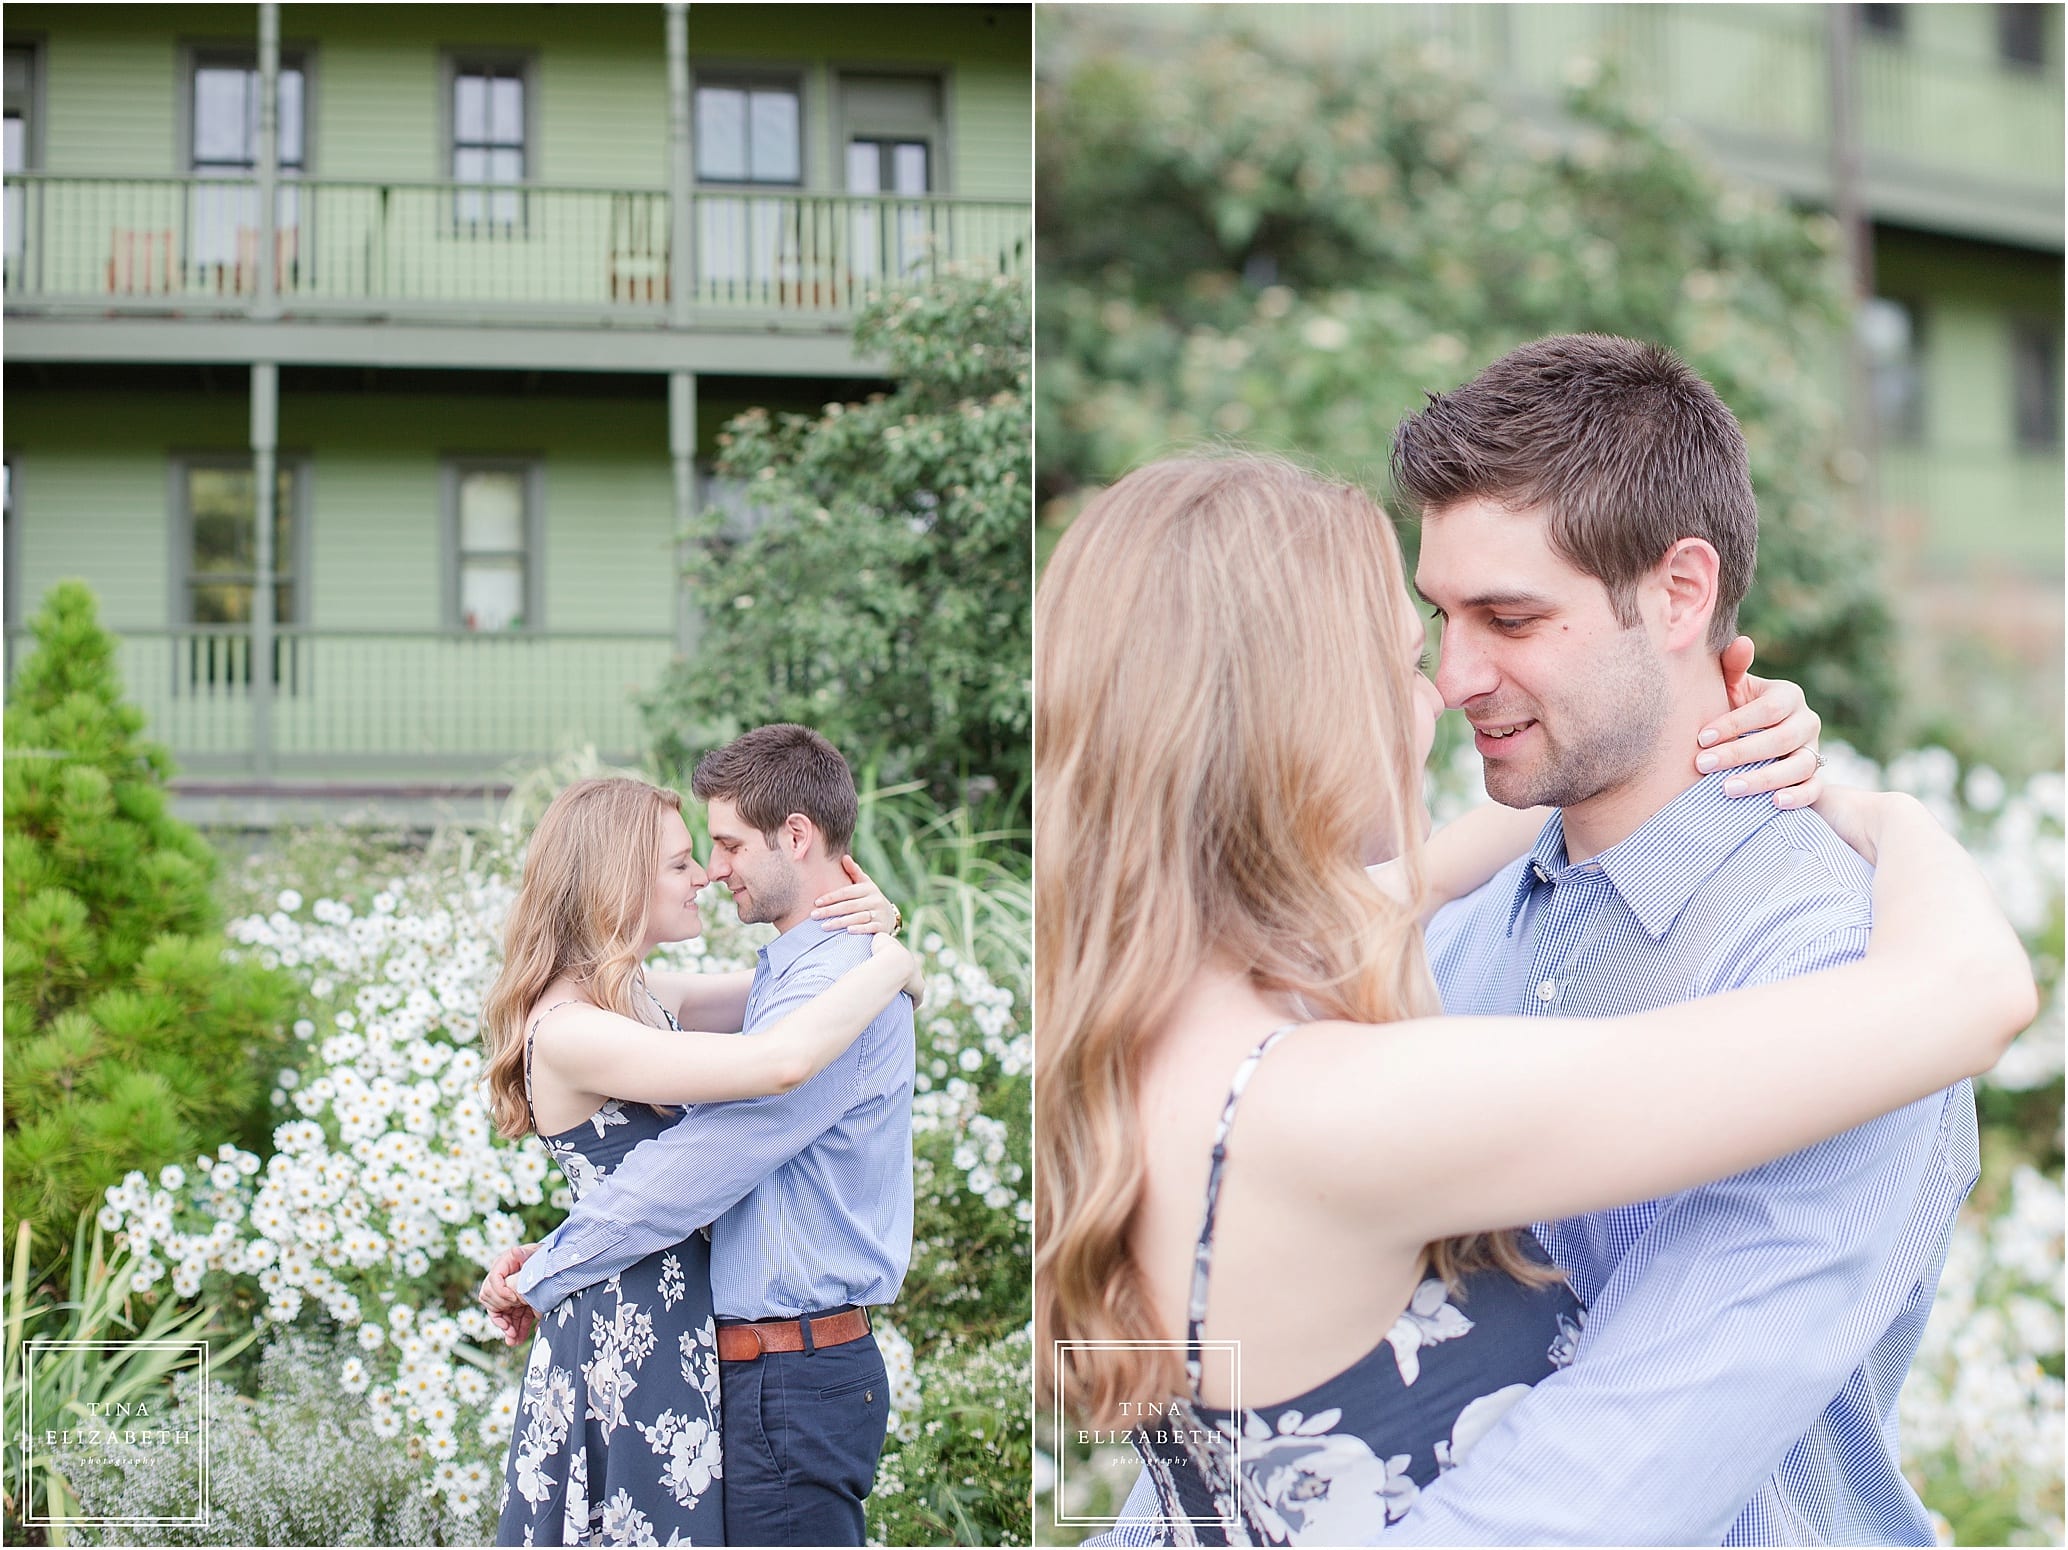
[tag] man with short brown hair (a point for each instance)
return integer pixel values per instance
(808, 1194)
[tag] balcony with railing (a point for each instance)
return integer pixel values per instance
(384, 703)
(1966, 141)
(498, 253)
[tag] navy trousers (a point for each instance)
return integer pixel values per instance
(802, 1432)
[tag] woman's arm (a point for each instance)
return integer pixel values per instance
(603, 1054)
(1505, 1120)
(716, 1003)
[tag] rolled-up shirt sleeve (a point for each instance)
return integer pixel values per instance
(694, 1171)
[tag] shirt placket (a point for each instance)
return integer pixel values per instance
(1562, 934)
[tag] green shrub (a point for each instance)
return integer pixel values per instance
(884, 595)
(959, 1470)
(64, 1384)
(130, 1033)
(1312, 242)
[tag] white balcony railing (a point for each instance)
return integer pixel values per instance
(154, 244)
(341, 698)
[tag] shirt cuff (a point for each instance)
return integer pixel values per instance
(560, 1259)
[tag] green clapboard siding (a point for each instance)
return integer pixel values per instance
(599, 76)
(991, 122)
(1980, 498)
(95, 487)
(96, 493)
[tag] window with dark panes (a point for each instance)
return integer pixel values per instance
(493, 530)
(20, 147)
(222, 543)
(2021, 34)
(888, 238)
(1883, 20)
(749, 134)
(222, 153)
(1890, 338)
(488, 140)
(2036, 375)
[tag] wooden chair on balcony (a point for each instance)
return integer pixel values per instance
(286, 250)
(140, 262)
(638, 249)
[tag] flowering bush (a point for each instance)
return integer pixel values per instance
(388, 1192)
(937, 1480)
(302, 1463)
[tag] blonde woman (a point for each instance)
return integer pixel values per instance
(617, 1432)
(1250, 1126)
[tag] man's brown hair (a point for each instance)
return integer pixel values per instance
(1624, 447)
(774, 771)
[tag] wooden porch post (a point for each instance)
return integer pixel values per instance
(265, 447)
(268, 303)
(682, 385)
(265, 401)
(681, 167)
(682, 449)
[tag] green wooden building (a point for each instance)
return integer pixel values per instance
(374, 434)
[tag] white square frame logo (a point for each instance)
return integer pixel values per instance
(1059, 1451)
(32, 1347)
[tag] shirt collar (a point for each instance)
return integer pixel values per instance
(1657, 868)
(782, 954)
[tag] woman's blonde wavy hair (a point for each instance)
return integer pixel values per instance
(580, 913)
(1222, 730)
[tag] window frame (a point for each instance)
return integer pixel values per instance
(453, 467)
(195, 52)
(849, 125)
(1913, 429)
(32, 43)
(454, 61)
(2024, 327)
(753, 78)
(2022, 63)
(180, 613)
(16, 246)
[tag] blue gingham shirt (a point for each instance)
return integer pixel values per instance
(808, 1194)
(1736, 1381)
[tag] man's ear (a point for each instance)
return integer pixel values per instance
(1686, 578)
(799, 834)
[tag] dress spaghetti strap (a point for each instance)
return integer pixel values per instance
(1202, 1254)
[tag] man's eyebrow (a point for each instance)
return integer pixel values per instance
(1506, 600)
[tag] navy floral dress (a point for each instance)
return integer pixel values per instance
(1351, 1454)
(616, 1440)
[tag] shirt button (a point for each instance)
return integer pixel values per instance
(1548, 991)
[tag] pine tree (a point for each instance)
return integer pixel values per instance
(133, 1039)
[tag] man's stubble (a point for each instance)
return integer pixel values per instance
(1597, 736)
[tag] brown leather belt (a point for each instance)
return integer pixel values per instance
(747, 1342)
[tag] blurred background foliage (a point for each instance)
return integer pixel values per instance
(878, 587)
(1312, 243)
